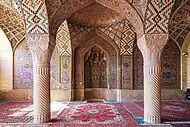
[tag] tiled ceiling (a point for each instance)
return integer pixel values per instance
(95, 15)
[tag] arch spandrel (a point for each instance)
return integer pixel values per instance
(179, 26)
(36, 17)
(157, 16)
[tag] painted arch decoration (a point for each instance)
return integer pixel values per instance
(35, 16)
(157, 16)
(61, 59)
(179, 25)
(58, 11)
(12, 24)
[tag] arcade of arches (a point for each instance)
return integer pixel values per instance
(67, 50)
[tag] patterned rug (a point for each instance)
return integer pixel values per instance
(95, 114)
(177, 111)
(15, 112)
(19, 114)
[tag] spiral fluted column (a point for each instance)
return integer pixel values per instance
(41, 92)
(39, 47)
(152, 92)
(151, 46)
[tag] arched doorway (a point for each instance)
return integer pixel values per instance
(91, 84)
(6, 63)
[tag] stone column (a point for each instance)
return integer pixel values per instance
(38, 44)
(151, 46)
(187, 69)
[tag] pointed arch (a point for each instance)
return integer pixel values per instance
(61, 64)
(179, 26)
(64, 10)
(6, 63)
(12, 24)
(79, 64)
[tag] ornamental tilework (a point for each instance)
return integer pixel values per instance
(60, 63)
(63, 40)
(35, 16)
(170, 67)
(12, 25)
(127, 72)
(23, 69)
(157, 16)
(179, 25)
(54, 70)
(16, 4)
(176, 5)
(122, 33)
(139, 5)
(95, 68)
(76, 30)
(66, 65)
(61, 59)
(59, 11)
(138, 79)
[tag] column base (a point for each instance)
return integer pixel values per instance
(152, 119)
(42, 118)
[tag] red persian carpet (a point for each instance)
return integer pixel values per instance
(178, 111)
(19, 114)
(96, 115)
(15, 112)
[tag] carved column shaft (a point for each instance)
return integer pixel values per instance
(41, 93)
(152, 93)
(38, 44)
(151, 46)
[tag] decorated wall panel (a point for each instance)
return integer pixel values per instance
(127, 69)
(61, 59)
(66, 65)
(23, 69)
(112, 65)
(60, 63)
(138, 79)
(95, 68)
(170, 67)
(54, 70)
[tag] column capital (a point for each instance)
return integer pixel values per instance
(151, 46)
(39, 47)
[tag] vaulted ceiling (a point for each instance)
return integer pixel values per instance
(96, 13)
